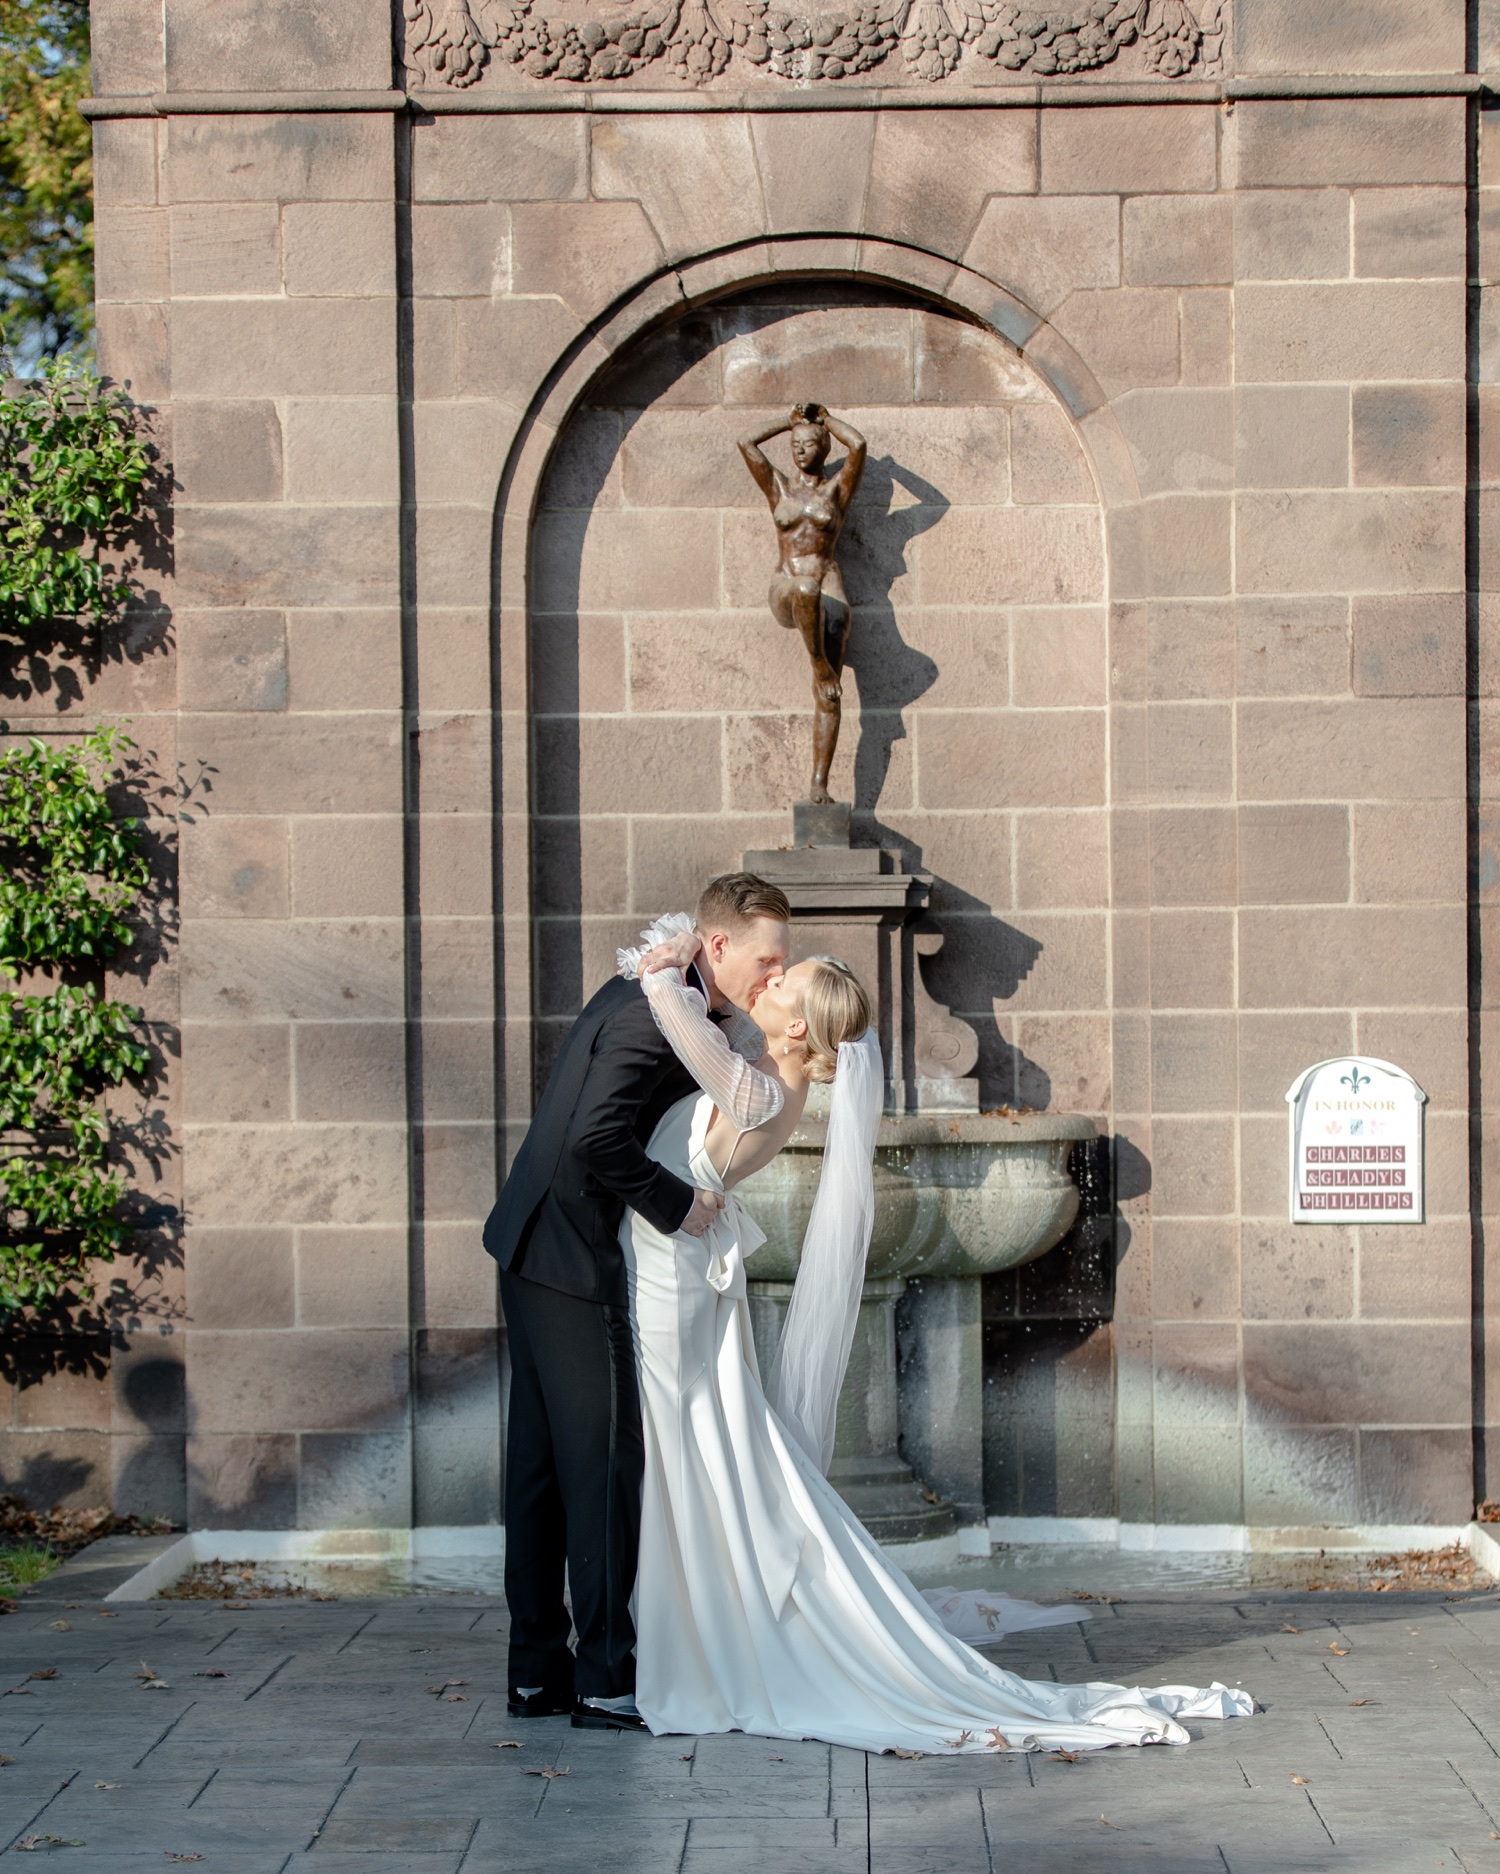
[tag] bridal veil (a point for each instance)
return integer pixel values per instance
(820, 1321)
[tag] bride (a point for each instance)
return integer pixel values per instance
(762, 1604)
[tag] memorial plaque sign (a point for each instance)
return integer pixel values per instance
(1355, 1136)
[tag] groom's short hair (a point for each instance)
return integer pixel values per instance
(736, 899)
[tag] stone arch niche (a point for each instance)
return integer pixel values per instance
(671, 718)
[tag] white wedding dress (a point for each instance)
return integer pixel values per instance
(762, 1604)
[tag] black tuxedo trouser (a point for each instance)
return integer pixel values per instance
(573, 1467)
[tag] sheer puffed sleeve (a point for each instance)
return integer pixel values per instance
(748, 1096)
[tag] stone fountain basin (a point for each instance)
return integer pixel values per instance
(959, 1194)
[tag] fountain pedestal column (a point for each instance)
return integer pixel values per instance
(957, 1194)
(940, 1360)
(868, 1470)
(858, 903)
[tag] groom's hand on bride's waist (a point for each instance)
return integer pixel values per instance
(706, 1206)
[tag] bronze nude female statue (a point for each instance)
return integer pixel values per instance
(807, 590)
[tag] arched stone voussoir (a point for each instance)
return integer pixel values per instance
(803, 255)
(933, 172)
(814, 169)
(694, 175)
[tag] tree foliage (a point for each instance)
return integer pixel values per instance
(46, 179)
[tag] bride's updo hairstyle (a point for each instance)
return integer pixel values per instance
(836, 1009)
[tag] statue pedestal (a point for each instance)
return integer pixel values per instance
(859, 903)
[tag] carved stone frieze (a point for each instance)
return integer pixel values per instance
(450, 42)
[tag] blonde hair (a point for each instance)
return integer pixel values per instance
(836, 1008)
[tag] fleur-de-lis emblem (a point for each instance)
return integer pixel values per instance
(1354, 1079)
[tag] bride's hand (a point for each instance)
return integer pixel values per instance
(676, 954)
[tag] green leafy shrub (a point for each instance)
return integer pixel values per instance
(72, 876)
(72, 872)
(74, 471)
(79, 489)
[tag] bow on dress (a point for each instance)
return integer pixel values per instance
(733, 1236)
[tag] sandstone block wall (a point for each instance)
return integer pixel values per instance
(1170, 574)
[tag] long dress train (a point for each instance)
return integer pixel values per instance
(762, 1604)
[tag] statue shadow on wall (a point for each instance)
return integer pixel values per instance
(971, 959)
(980, 959)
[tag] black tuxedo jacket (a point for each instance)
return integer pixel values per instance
(557, 1219)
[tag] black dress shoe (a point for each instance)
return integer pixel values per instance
(550, 1702)
(587, 1717)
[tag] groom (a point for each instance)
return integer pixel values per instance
(573, 1457)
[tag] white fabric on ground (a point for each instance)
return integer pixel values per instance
(762, 1604)
(981, 1618)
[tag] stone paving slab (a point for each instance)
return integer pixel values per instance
(308, 1738)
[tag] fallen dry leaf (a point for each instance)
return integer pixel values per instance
(30, 1843)
(7, 1760)
(1118, 1827)
(237, 1606)
(1334, 1647)
(1298, 1780)
(181, 1857)
(909, 1756)
(445, 1686)
(60, 1626)
(1291, 1629)
(454, 1698)
(549, 1773)
(998, 1739)
(213, 1672)
(1067, 1756)
(43, 1672)
(106, 1614)
(957, 1743)
(1361, 1701)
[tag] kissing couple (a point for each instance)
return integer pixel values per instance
(717, 1581)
